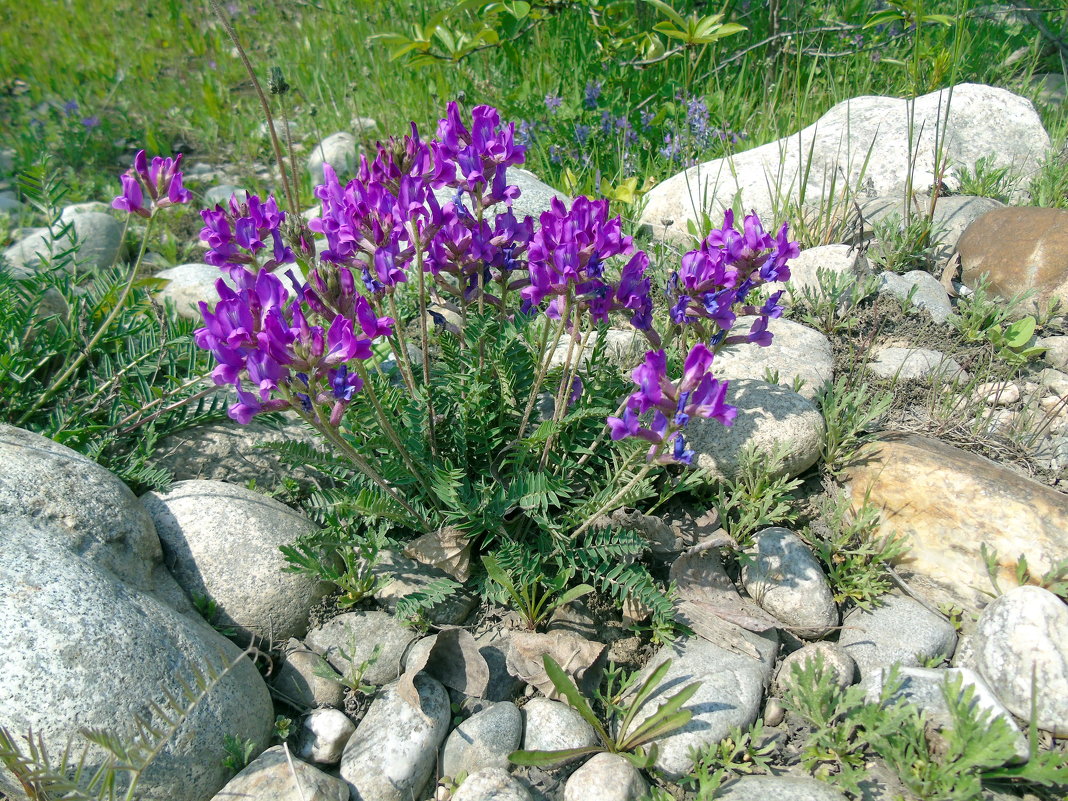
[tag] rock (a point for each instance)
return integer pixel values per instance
(339, 151)
(797, 355)
(403, 576)
(769, 417)
(280, 129)
(787, 581)
(781, 788)
(836, 662)
(491, 784)
(732, 686)
(844, 261)
(83, 649)
(7, 161)
(554, 726)
(80, 507)
(299, 686)
(1020, 634)
(392, 754)
(222, 541)
(90, 207)
(914, 364)
(188, 284)
(864, 143)
(9, 203)
(900, 630)
(349, 639)
(229, 451)
(929, 294)
(494, 645)
(99, 237)
(1020, 249)
(626, 348)
(998, 393)
(270, 777)
(363, 127)
(917, 484)
(535, 196)
(606, 777)
(323, 736)
(484, 740)
(952, 215)
(926, 687)
(220, 194)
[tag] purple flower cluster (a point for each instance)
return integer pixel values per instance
(161, 181)
(714, 281)
(567, 258)
(697, 394)
(236, 234)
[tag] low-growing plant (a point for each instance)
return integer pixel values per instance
(854, 554)
(983, 318)
(208, 608)
(852, 409)
(830, 306)
(904, 245)
(536, 597)
(760, 494)
(986, 180)
(352, 571)
(239, 752)
(283, 727)
(741, 752)
(351, 679)
(1055, 579)
(634, 741)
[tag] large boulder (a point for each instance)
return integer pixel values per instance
(863, 143)
(223, 542)
(1019, 249)
(948, 503)
(99, 238)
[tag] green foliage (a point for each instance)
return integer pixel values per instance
(283, 728)
(352, 679)
(759, 495)
(904, 244)
(536, 597)
(208, 609)
(91, 365)
(830, 306)
(739, 753)
(1055, 579)
(853, 553)
(634, 741)
(983, 318)
(986, 180)
(851, 409)
(238, 752)
(82, 775)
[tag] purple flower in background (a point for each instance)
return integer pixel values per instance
(70, 107)
(161, 181)
(591, 94)
(553, 102)
(91, 122)
(582, 134)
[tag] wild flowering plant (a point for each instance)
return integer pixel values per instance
(435, 420)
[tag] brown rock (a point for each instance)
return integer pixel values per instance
(1021, 249)
(948, 503)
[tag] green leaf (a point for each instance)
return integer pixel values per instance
(566, 687)
(668, 12)
(1019, 333)
(667, 718)
(545, 759)
(574, 594)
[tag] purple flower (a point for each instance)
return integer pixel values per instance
(553, 102)
(162, 181)
(591, 94)
(91, 122)
(132, 199)
(70, 107)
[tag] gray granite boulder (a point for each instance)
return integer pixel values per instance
(222, 542)
(846, 262)
(188, 284)
(788, 582)
(99, 238)
(220, 194)
(951, 216)
(769, 417)
(1025, 632)
(899, 630)
(836, 662)
(392, 754)
(554, 726)
(297, 683)
(484, 740)
(82, 648)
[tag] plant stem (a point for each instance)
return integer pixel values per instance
(401, 350)
(115, 310)
(600, 437)
(610, 505)
(543, 367)
(425, 338)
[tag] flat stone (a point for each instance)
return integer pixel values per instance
(1020, 634)
(926, 688)
(297, 683)
(769, 416)
(554, 726)
(918, 483)
(1019, 249)
(836, 662)
(324, 735)
(606, 777)
(730, 693)
(392, 754)
(188, 284)
(222, 541)
(484, 740)
(914, 364)
(491, 784)
(781, 788)
(99, 237)
(899, 631)
(349, 639)
(787, 581)
(274, 777)
(863, 137)
(797, 355)
(929, 293)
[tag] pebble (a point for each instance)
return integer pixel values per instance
(780, 788)
(929, 294)
(554, 726)
(913, 364)
(899, 630)
(491, 784)
(606, 777)
(349, 640)
(323, 736)
(999, 393)
(836, 662)
(300, 686)
(484, 740)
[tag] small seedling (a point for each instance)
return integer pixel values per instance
(238, 752)
(534, 598)
(352, 679)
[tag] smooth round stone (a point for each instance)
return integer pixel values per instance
(913, 364)
(188, 284)
(554, 726)
(323, 736)
(222, 541)
(788, 582)
(899, 630)
(780, 788)
(220, 194)
(491, 784)
(1020, 634)
(606, 777)
(338, 150)
(297, 683)
(275, 776)
(836, 662)
(484, 740)
(99, 244)
(392, 754)
(927, 293)
(348, 640)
